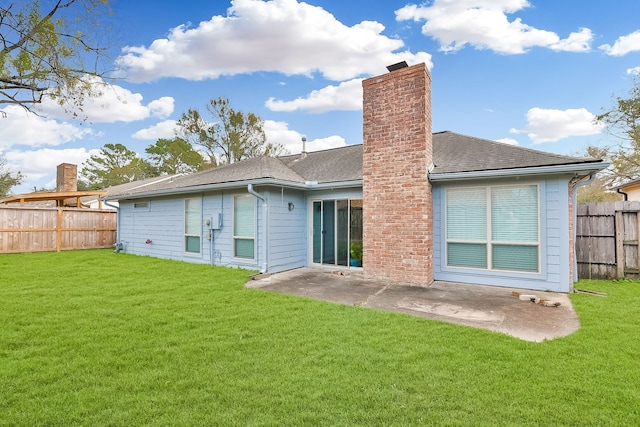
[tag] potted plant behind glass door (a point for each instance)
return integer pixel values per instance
(355, 250)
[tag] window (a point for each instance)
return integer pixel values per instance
(244, 219)
(141, 206)
(493, 228)
(192, 227)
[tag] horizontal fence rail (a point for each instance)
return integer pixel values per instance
(40, 229)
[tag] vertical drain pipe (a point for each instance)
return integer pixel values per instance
(265, 264)
(118, 247)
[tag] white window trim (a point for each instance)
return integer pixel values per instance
(489, 241)
(184, 227)
(255, 231)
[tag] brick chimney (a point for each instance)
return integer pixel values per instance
(67, 177)
(397, 153)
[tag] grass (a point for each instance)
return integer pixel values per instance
(96, 338)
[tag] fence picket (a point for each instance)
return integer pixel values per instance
(608, 240)
(41, 229)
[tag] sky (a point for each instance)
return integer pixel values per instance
(533, 73)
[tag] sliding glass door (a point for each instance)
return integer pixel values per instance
(337, 232)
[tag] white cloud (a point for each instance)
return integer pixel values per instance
(333, 141)
(484, 24)
(165, 129)
(549, 125)
(278, 35)
(576, 42)
(161, 107)
(20, 127)
(624, 45)
(279, 133)
(345, 96)
(509, 141)
(634, 70)
(112, 103)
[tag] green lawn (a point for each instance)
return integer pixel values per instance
(97, 338)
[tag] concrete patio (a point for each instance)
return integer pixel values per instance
(489, 307)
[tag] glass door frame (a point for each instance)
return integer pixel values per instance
(337, 250)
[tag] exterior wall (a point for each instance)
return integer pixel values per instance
(555, 235)
(287, 246)
(283, 247)
(162, 223)
(632, 192)
(397, 153)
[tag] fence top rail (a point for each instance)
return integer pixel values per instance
(604, 208)
(53, 208)
(57, 196)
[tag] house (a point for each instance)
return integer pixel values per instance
(419, 206)
(66, 193)
(94, 202)
(630, 190)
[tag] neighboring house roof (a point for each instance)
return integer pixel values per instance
(130, 186)
(627, 185)
(454, 155)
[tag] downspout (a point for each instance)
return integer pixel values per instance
(265, 264)
(211, 231)
(624, 195)
(118, 246)
(578, 183)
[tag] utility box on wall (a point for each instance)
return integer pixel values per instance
(215, 222)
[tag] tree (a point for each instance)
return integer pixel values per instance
(8, 180)
(232, 136)
(172, 156)
(46, 47)
(115, 165)
(598, 191)
(623, 122)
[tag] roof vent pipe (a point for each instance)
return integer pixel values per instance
(304, 147)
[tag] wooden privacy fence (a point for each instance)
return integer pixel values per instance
(607, 240)
(35, 229)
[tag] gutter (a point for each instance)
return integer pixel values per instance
(580, 168)
(118, 247)
(265, 264)
(309, 185)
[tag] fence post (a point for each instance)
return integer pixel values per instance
(619, 225)
(59, 229)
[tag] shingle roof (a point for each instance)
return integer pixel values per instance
(246, 170)
(335, 165)
(452, 153)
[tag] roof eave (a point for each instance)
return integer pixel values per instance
(309, 185)
(576, 169)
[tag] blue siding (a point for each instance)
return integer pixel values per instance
(162, 224)
(287, 230)
(280, 248)
(285, 244)
(554, 242)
